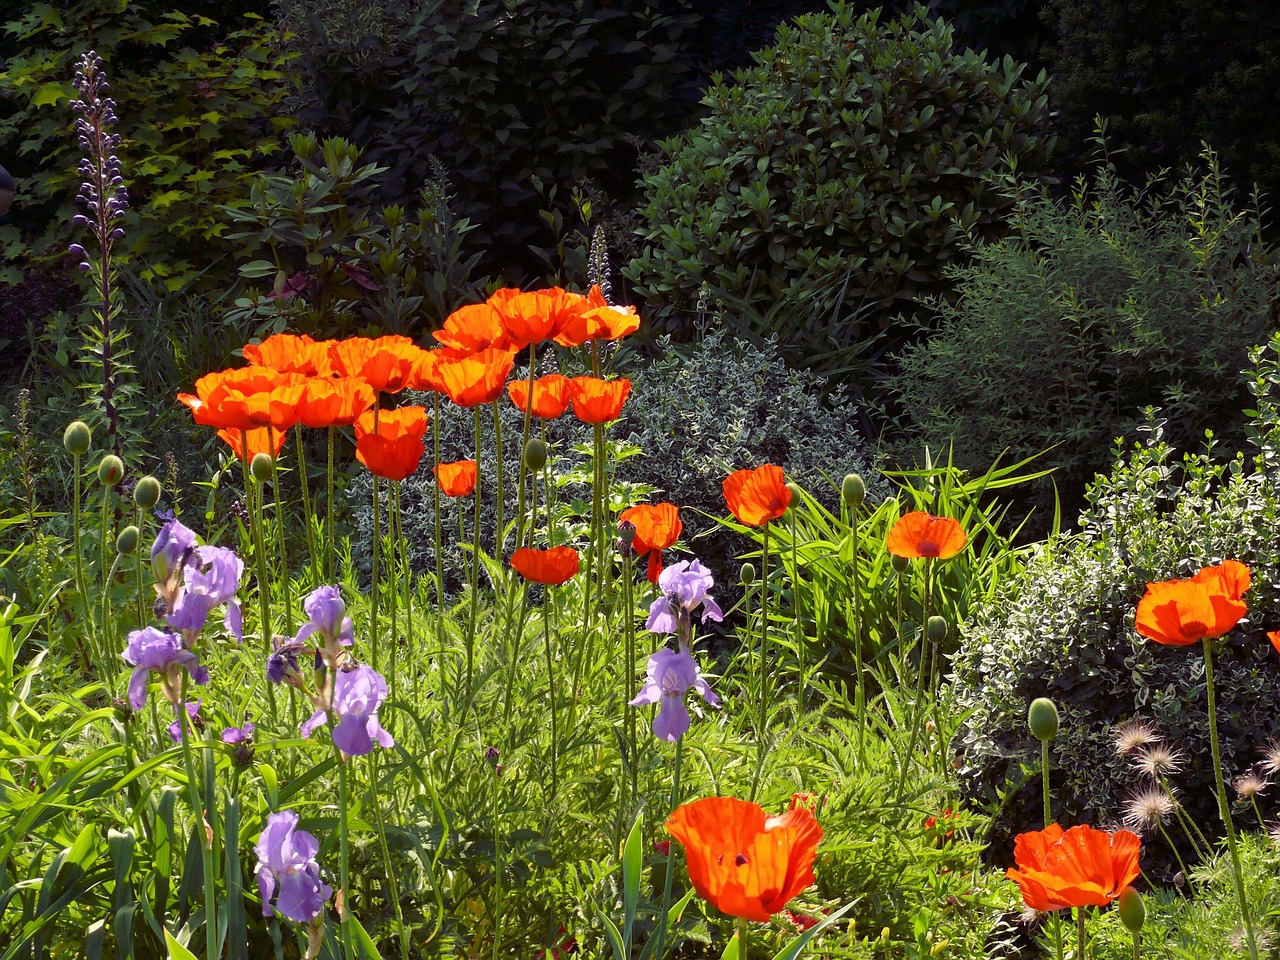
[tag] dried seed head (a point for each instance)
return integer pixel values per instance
(1147, 809)
(1133, 735)
(1249, 784)
(1271, 757)
(1159, 760)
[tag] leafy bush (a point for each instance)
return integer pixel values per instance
(854, 153)
(1087, 312)
(1065, 630)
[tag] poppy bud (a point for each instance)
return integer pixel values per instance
(936, 629)
(110, 470)
(795, 496)
(748, 573)
(899, 564)
(853, 490)
(76, 438)
(127, 542)
(535, 454)
(261, 466)
(1042, 718)
(1133, 912)
(146, 493)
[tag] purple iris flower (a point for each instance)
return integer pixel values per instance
(282, 664)
(175, 728)
(327, 615)
(670, 674)
(211, 577)
(162, 651)
(174, 544)
(287, 861)
(684, 587)
(357, 694)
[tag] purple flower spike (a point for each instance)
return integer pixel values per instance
(287, 860)
(357, 694)
(327, 615)
(670, 674)
(212, 575)
(153, 649)
(684, 587)
(175, 728)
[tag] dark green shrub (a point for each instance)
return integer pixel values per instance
(855, 156)
(1087, 312)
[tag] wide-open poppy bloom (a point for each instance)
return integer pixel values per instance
(599, 401)
(385, 363)
(471, 379)
(475, 327)
(244, 398)
(553, 566)
(426, 375)
(334, 401)
(260, 440)
(1080, 867)
(391, 448)
(457, 479)
(596, 319)
(535, 315)
(757, 496)
(550, 395)
(290, 353)
(1182, 612)
(920, 535)
(743, 861)
(658, 527)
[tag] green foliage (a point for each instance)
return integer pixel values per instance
(855, 156)
(197, 105)
(1086, 313)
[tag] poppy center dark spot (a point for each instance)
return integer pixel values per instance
(927, 548)
(741, 859)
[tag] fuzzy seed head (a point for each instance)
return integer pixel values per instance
(1133, 735)
(1159, 760)
(1147, 809)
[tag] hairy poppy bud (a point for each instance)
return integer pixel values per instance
(535, 454)
(853, 490)
(146, 493)
(748, 573)
(260, 467)
(110, 470)
(76, 438)
(1133, 912)
(795, 496)
(936, 629)
(899, 564)
(627, 533)
(1042, 718)
(127, 542)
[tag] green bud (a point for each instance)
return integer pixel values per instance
(110, 470)
(146, 493)
(853, 490)
(627, 533)
(535, 454)
(899, 564)
(795, 501)
(936, 629)
(261, 466)
(127, 542)
(748, 573)
(1042, 718)
(1133, 912)
(76, 438)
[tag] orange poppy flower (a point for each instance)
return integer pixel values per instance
(919, 535)
(598, 401)
(426, 375)
(742, 861)
(244, 398)
(475, 327)
(550, 395)
(658, 527)
(757, 496)
(536, 315)
(553, 566)
(260, 440)
(334, 402)
(470, 379)
(1182, 612)
(1274, 637)
(385, 363)
(391, 448)
(1082, 867)
(596, 319)
(289, 353)
(456, 479)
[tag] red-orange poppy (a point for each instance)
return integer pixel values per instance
(596, 319)
(475, 327)
(290, 353)
(244, 398)
(334, 401)
(598, 401)
(1274, 637)
(757, 496)
(742, 861)
(457, 479)
(385, 363)
(658, 527)
(392, 447)
(553, 566)
(919, 535)
(1081, 867)
(550, 395)
(471, 379)
(535, 315)
(260, 440)
(1182, 612)
(426, 375)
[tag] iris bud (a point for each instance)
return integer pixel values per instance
(1042, 718)
(76, 438)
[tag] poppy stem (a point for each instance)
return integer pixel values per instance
(551, 694)
(499, 535)
(524, 445)
(629, 621)
(284, 550)
(764, 639)
(81, 588)
(344, 856)
(435, 439)
(742, 938)
(1082, 941)
(373, 584)
(860, 700)
(671, 856)
(1224, 808)
(917, 709)
(187, 728)
(475, 560)
(306, 503)
(1048, 819)
(796, 592)
(330, 564)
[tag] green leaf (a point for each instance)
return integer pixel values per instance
(48, 94)
(176, 950)
(793, 949)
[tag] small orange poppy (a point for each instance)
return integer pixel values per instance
(386, 363)
(392, 447)
(742, 861)
(244, 398)
(536, 315)
(470, 379)
(334, 401)
(598, 401)
(596, 319)
(658, 527)
(757, 496)
(289, 353)
(1274, 637)
(919, 535)
(550, 395)
(260, 440)
(1081, 867)
(475, 327)
(1182, 612)
(457, 479)
(553, 566)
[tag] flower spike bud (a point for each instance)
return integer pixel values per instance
(76, 438)
(1042, 718)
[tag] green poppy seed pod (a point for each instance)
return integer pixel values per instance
(76, 438)
(127, 542)
(853, 490)
(748, 573)
(1133, 912)
(260, 467)
(146, 493)
(936, 629)
(1042, 718)
(899, 564)
(535, 454)
(110, 470)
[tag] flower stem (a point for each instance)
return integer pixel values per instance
(198, 811)
(1048, 819)
(284, 550)
(917, 712)
(499, 535)
(330, 562)
(551, 694)
(1082, 941)
(497, 866)
(629, 626)
(435, 440)
(742, 938)
(671, 856)
(81, 587)
(861, 694)
(764, 644)
(306, 504)
(374, 584)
